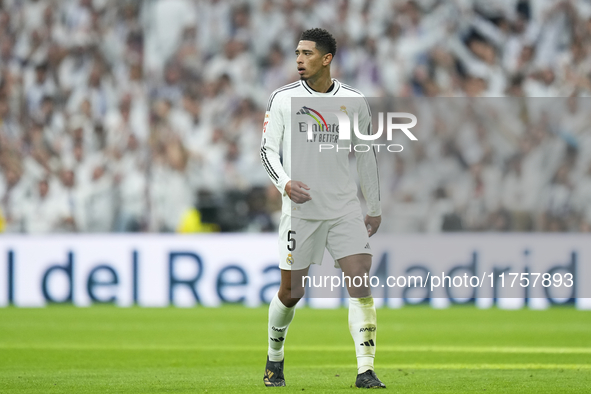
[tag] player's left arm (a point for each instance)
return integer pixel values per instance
(367, 167)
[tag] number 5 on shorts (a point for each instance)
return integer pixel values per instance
(291, 240)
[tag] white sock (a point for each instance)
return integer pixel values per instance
(279, 318)
(363, 324)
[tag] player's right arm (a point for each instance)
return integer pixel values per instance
(273, 133)
(273, 129)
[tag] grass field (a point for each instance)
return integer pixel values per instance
(420, 350)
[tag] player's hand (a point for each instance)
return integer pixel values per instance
(372, 223)
(296, 191)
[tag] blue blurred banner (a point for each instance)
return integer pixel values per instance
(509, 271)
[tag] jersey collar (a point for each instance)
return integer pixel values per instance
(333, 92)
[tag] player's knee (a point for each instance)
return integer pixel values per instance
(288, 298)
(294, 291)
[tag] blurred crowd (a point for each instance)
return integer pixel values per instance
(129, 115)
(494, 164)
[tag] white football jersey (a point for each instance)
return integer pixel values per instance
(290, 110)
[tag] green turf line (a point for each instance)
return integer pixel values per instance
(468, 366)
(239, 348)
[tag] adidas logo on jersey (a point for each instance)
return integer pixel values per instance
(367, 246)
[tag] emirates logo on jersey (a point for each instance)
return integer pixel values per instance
(309, 111)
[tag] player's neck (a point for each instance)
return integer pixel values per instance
(320, 84)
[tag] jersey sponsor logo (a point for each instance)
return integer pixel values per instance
(289, 259)
(310, 112)
(332, 128)
(367, 329)
(319, 131)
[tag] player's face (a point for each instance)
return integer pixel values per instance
(310, 61)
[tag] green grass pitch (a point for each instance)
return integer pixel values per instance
(420, 350)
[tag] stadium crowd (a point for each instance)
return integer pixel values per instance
(129, 115)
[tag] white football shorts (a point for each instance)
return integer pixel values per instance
(302, 241)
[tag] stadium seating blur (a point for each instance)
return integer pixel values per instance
(126, 115)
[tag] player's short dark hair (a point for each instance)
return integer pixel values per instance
(325, 42)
